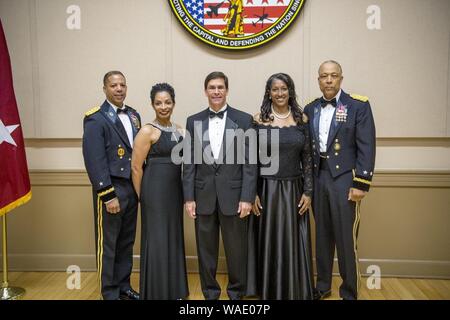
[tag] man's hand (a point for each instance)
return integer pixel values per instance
(356, 194)
(304, 204)
(257, 206)
(113, 206)
(190, 206)
(244, 209)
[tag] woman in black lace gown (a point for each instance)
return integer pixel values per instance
(280, 240)
(163, 265)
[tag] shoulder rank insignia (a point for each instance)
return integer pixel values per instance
(92, 111)
(360, 98)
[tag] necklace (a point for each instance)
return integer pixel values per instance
(172, 129)
(169, 128)
(281, 116)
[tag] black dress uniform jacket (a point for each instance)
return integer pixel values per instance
(351, 141)
(106, 148)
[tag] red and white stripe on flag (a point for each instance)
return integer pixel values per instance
(252, 14)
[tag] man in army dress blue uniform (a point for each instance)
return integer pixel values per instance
(108, 137)
(343, 142)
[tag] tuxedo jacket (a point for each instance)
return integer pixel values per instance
(106, 148)
(351, 140)
(208, 180)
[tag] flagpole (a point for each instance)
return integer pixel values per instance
(7, 292)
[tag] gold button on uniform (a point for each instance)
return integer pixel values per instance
(337, 167)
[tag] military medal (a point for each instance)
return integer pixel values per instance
(341, 113)
(135, 121)
(121, 152)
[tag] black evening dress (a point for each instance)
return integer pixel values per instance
(163, 266)
(280, 259)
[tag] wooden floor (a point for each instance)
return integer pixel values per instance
(52, 286)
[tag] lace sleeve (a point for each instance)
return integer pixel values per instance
(307, 163)
(255, 127)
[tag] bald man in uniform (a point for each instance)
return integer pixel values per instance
(343, 141)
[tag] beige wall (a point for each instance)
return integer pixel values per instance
(403, 68)
(404, 225)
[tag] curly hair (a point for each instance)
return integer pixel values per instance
(162, 87)
(266, 106)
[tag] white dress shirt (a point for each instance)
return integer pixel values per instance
(326, 116)
(126, 122)
(216, 132)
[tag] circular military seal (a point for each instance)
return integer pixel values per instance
(236, 24)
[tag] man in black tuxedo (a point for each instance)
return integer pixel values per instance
(219, 186)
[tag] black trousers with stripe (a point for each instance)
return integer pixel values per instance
(114, 238)
(337, 223)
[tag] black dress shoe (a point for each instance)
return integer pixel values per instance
(320, 295)
(130, 294)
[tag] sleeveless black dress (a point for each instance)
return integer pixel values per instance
(163, 266)
(280, 257)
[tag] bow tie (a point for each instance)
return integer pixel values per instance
(219, 114)
(122, 110)
(324, 102)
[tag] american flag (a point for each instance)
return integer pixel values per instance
(258, 14)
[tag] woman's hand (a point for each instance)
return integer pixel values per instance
(257, 206)
(304, 204)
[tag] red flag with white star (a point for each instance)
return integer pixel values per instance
(15, 188)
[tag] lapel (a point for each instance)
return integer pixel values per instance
(316, 120)
(227, 140)
(111, 116)
(202, 137)
(336, 125)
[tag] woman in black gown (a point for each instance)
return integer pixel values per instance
(157, 180)
(280, 229)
